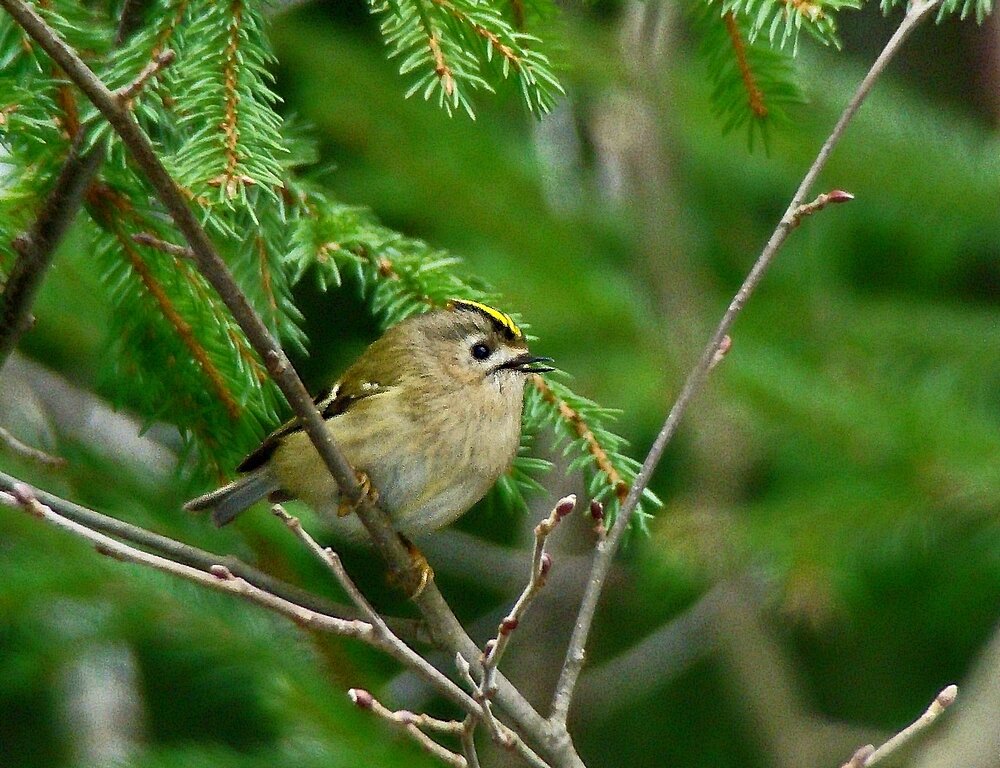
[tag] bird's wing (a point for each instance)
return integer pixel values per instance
(333, 402)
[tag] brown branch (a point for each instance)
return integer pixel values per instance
(154, 67)
(755, 97)
(441, 68)
(573, 662)
(36, 247)
(185, 255)
(165, 34)
(499, 46)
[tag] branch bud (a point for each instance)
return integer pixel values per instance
(544, 565)
(361, 698)
(597, 510)
(221, 572)
(947, 697)
(565, 505)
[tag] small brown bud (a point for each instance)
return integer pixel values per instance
(545, 565)
(839, 196)
(508, 625)
(565, 505)
(596, 510)
(220, 572)
(361, 698)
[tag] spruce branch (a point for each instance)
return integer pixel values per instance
(443, 624)
(103, 201)
(752, 84)
(797, 209)
(455, 47)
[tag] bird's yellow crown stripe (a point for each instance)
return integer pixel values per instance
(502, 319)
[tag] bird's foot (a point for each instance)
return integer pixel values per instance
(420, 564)
(347, 506)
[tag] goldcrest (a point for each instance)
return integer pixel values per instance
(430, 413)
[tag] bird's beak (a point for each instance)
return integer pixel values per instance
(527, 364)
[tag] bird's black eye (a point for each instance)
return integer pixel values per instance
(481, 351)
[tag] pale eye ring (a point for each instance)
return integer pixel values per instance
(481, 351)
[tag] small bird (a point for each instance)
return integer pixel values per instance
(430, 415)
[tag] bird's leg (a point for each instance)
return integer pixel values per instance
(368, 491)
(419, 563)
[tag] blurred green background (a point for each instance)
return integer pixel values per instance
(828, 557)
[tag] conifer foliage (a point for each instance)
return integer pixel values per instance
(175, 354)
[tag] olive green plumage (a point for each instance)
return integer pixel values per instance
(430, 412)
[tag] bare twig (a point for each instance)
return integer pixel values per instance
(941, 702)
(469, 741)
(606, 549)
(441, 620)
(194, 557)
(410, 724)
(541, 563)
(218, 577)
(500, 733)
(15, 446)
(388, 640)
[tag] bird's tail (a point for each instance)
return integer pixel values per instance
(231, 499)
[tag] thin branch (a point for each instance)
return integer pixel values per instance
(469, 741)
(159, 62)
(941, 702)
(218, 577)
(152, 241)
(796, 210)
(441, 620)
(389, 641)
(203, 560)
(25, 451)
(36, 247)
(410, 724)
(755, 97)
(541, 563)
